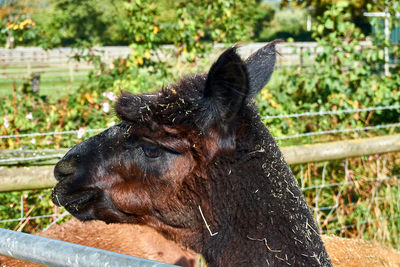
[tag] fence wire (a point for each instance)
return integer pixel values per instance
(294, 115)
(330, 112)
(367, 128)
(361, 206)
(52, 133)
(27, 218)
(30, 159)
(372, 180)
(344, 227)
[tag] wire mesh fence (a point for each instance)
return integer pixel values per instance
(354, 197)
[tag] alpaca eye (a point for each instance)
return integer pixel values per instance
(151, 151)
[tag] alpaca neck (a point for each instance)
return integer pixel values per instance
(258, 209)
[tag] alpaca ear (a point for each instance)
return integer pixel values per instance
(225, 92)
(260, 66)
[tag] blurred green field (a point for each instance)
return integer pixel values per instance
(53, 88)
(55, 81)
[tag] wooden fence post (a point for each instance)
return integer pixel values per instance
(29, 68)
(71, 72)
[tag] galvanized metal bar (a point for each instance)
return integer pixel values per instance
(59, 253)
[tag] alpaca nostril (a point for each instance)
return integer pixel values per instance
(65, 167)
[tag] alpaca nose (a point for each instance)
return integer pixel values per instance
(66, 167)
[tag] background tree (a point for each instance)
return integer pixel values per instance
(96, 22)
(16, 25)
(356, 8)
(111, 22)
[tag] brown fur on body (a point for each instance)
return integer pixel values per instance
(136, 240)
(346, 252)
(145, 242)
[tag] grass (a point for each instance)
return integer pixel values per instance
(26, 204)
(53, 88)
(54, 79)
(356, 198)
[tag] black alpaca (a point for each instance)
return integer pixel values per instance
(195, 162)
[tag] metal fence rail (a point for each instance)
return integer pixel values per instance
(59, 253)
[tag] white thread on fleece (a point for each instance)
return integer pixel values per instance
(208, 227)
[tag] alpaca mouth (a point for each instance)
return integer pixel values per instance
(74, 200)
(80, 200)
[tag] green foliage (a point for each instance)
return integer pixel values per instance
(69, 22)
(221, 21)
(264, 15)
(190, 24)
(19, 30)
(356, 9)
(95, 22)
(343, 75)
(363, 208)
(192, 28)
(27, 112)
(289, 22)
(34, 203)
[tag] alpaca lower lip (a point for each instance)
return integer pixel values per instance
(80, 200)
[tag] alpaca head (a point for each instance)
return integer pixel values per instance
(150, 169)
